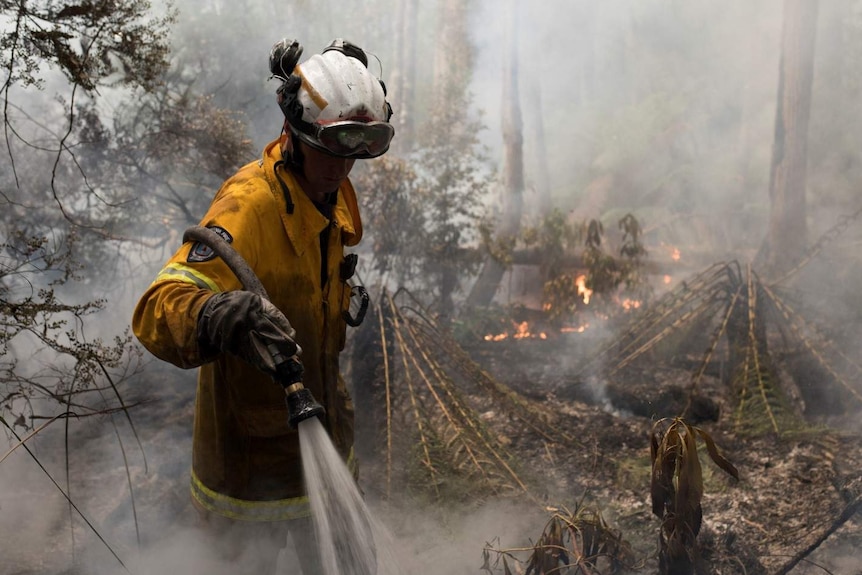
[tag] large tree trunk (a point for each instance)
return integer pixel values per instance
(541, 171)
(786, 238)
(453, 55)
(513, 182)
(452, 71)
(404, 76)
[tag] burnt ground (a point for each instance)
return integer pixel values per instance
(792, 489)
(791, 492)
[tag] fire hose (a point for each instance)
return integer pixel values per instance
(301, 404)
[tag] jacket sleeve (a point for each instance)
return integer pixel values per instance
(165, 318)
(165, 321)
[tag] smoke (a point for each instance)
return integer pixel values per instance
(30, 513)
(37, 534)
(602, 80)
(452, 541)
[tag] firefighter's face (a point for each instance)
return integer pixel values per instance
(323, 173)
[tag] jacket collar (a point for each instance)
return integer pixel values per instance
(304, 225)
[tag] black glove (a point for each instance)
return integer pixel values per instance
(252, 328)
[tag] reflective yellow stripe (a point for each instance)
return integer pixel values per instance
(246, 510)
(316, 96)
(186, 274)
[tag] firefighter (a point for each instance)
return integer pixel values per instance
(290, 216)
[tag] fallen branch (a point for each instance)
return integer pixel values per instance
(849, 511)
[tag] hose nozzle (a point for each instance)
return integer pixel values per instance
(301, 405)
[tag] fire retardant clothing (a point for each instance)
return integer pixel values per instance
(246, 459)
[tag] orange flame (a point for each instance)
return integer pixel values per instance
(667, 279)
(675, 255)
(581, 282)
(498, 337)
(522, 331)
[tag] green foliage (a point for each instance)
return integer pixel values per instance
(423, 212)
(573, 263)
(454, 178)
(499, 247)
(172, 141)
(552, 238)
(762, 408)
(393, 218)
(92, 43)
(569, 283)
(606, 274)
(86, 177)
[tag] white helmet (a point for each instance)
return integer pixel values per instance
(332, 101)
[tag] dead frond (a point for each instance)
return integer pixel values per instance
(676, 491)
(572, 543)
(746, 326)
(440, 427)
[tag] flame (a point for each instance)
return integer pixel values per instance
(522, 331)
(667, 279)
(578, 329)
(630, 304)
(581, 282)
(498, 337)
(675, 254)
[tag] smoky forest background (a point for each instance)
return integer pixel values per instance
(615, 304)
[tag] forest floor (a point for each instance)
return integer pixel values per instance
(791, 493)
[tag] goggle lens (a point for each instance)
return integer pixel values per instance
(351, 139)
(356, 139)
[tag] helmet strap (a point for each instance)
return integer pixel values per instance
(288, 201)
(293, 159)
(296, 159)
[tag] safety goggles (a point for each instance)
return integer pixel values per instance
(350, 139)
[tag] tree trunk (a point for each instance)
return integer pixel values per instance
(453, 55)
(452, 72)
(786, 238)
(404, 76)
(541, 172)
(513, 182)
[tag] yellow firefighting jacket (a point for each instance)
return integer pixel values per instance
(246, 462)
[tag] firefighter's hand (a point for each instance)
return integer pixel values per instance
(250, 327)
